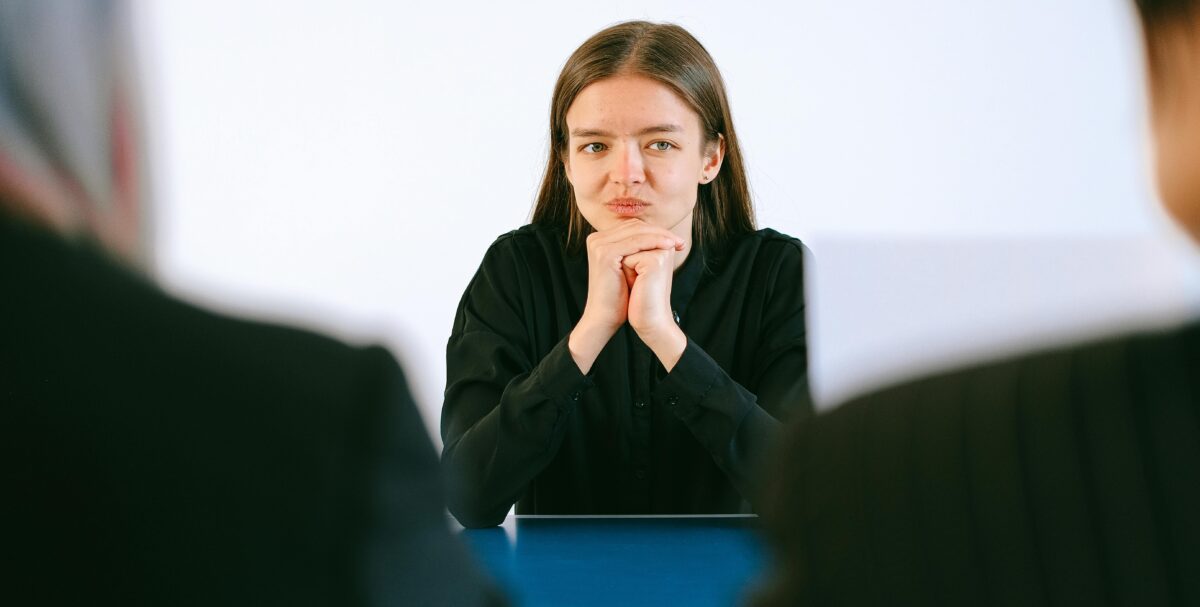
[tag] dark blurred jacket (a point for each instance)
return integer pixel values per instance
(158, 454)
(1066, 477)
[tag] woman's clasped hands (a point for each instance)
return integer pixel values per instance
(630, 270)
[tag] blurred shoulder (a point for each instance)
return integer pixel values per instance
(1118, 364)
(75, 317)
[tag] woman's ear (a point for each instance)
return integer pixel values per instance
(714, 155)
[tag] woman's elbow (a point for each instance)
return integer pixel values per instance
(465, 498)
(467, 504)
(476, 518)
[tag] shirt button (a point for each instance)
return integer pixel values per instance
(575, 396)
(640, 473)
(641, 404)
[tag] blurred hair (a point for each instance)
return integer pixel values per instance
(68, 121)
(670, 55)
(1162, 20)
(1155, 11)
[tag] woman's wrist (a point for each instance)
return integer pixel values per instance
(668, 345)
(586, 341)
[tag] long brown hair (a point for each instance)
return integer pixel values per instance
(669, 54)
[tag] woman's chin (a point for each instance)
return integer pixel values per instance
(608, 220)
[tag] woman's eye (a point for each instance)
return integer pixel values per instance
(661, 146)
(593, 148)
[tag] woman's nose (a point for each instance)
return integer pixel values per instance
(628, 168)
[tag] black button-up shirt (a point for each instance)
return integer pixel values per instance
(522, 425)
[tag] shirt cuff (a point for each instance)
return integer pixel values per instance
(558, 377)
(692, 378)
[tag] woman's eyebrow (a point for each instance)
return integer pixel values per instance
(658, 128)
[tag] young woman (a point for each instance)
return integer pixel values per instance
(635, 348)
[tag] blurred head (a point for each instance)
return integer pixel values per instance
(1172, 36)
(640, 126)
(67, 121)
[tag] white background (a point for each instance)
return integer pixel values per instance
(970, 175)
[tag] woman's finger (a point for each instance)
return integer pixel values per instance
(637, 243)
(630, 228)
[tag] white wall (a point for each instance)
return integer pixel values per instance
(345, 165)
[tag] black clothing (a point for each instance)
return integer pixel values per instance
(158, 454)
(522, 424)
(1066, 477)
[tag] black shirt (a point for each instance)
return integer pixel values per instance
(521, 424)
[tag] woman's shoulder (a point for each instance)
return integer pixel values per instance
(765, 245)
(531, 233)
(1149, 356)
(528, 240)
(769, 237)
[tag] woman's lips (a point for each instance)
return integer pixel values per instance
(627, 207)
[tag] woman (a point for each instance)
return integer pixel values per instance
(635, 348)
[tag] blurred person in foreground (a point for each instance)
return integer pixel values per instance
(155, 453)
(1066, 476)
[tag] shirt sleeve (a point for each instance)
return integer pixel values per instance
(737, 423)
(502, 419)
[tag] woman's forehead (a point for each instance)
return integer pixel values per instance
(627, 106)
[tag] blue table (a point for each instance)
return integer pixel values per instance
(624, 560)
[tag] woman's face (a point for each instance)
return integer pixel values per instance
(635, 149)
